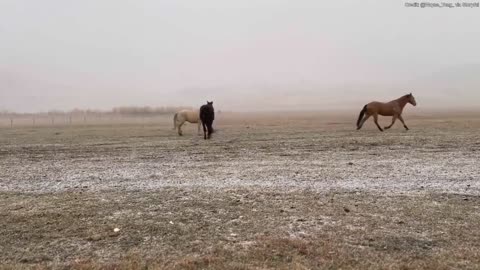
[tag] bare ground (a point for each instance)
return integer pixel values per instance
(294, 192)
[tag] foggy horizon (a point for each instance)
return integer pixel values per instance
(245, 56)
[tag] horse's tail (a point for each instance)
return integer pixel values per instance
(175, 121)
(362, 113)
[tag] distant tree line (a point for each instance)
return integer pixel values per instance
(117, 111)
(145, 111)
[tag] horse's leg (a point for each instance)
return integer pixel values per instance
(403, 122)
(204, 131)
(393, 121)
(180, 133)
(363, 121)
(175, 122)
(375, 119)
(210, 130)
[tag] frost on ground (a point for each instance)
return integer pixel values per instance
(285, 155)
(290, 192)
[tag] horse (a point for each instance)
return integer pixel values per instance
(392, 108)
(207, 115)
(186, 116)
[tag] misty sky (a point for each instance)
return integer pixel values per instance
(275, 54)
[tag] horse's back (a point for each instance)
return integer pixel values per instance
(206, 113)
(189, 115)
(381, 108)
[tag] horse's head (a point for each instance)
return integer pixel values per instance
(210, 103)
(411, 99)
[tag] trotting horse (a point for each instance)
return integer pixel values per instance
(185, 116)
(207, 115)
(393, 108)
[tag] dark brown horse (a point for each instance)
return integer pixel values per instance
(393, 108)
(207, 115)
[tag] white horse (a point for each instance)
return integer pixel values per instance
(186, 116)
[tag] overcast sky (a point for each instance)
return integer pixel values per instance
(60, 54)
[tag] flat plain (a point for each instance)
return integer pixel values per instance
(268, 191)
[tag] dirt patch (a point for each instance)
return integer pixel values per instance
(247, 228)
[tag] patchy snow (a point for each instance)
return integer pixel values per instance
(426, 160)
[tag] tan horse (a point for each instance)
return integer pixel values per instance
(393, 108)
(186, 116)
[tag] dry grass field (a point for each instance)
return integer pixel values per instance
(285, 191)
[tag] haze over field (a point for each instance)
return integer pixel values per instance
(245, 55)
